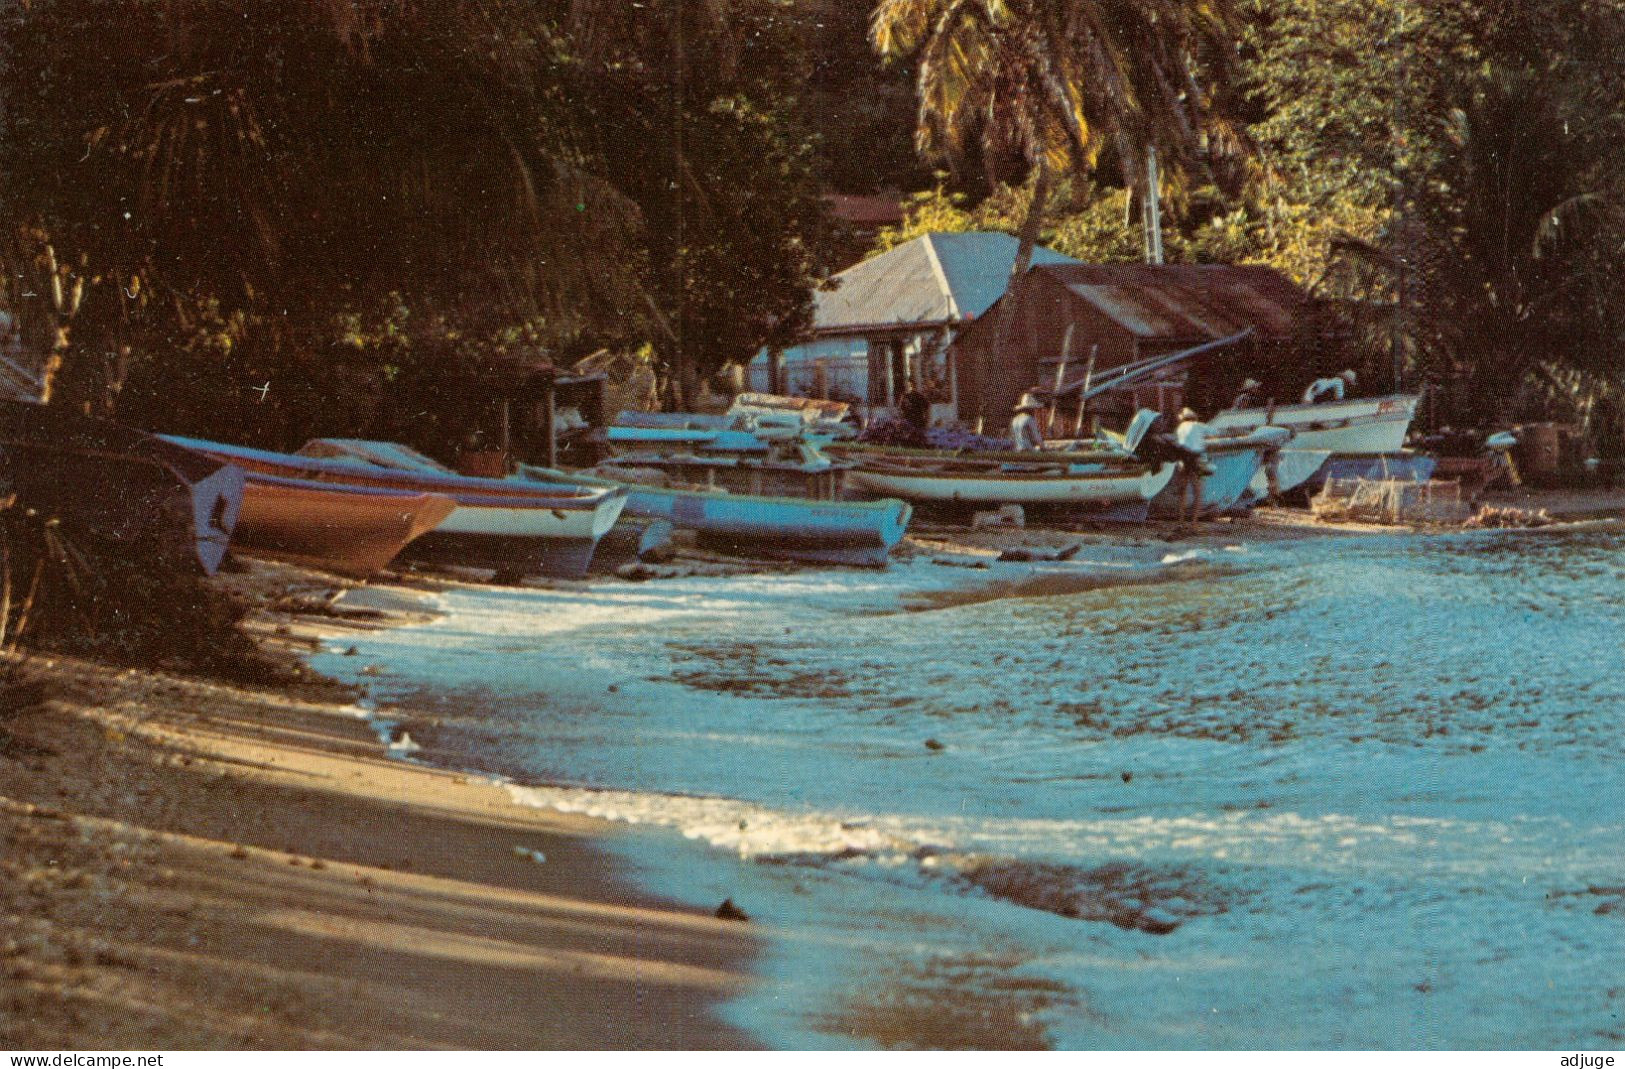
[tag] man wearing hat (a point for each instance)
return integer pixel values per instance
(1249, 396)
(1191, 435)
(1331, 389)
(1024, 427)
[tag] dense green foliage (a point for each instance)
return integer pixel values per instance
(257, 220)
(1447, 171)
(315, 196)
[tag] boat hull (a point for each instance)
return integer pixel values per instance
(1293, 468)
(511, 536)
(784, 528)
(1232, 471)
(1359, 425)
(349, 530)
(1104, 486)
(137, 495)
(499, 524)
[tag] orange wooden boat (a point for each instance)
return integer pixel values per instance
(352, 530)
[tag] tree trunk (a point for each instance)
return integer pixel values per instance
(1027, 239)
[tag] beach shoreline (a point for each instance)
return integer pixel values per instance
(190, 865)
(259, 871)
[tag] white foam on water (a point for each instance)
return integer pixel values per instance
(1358, 787)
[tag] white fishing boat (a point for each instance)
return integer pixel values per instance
(511, 528)
(858, 533)
(1291, 468)
(1048, 481)
(1358, 425)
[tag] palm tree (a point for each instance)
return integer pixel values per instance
(1059, 83)
(1518, 278)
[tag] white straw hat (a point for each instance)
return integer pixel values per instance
(1029, 402)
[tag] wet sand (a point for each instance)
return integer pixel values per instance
(188, 865)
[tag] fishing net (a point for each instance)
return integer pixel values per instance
(1437, 502)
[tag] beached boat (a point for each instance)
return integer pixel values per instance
(500, 524)
(111, 485)
(1358, 425)
(1053, 480)
(784, 528)
(765, 454)
(1291, 468)
(1232, 462)
(351, 530)
(699, 439)
(787, 528)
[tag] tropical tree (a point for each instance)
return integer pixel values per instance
(695, 104)
(1517, 280)
(239, 196)
(275, 166)
(1050, 86)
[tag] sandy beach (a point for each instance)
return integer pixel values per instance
(188, 865)
(193, 865)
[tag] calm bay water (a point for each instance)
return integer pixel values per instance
(1348, 792)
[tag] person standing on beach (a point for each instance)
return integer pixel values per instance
(1191, 435)
(914, 415)
(1024, 427)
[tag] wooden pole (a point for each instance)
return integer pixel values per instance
(550, 431)
(1060, 377)
(1055, 397)
(1083, 397)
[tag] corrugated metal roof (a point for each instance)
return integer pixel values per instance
(1189, 301)
(936, 278)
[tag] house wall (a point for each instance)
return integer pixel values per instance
(990, 384)
(869, 371)
(832, 368)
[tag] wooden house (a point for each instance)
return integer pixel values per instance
(1117, 314)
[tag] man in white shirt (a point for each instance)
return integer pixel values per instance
(1190, 434)
(1331, 389)
(1024, 427)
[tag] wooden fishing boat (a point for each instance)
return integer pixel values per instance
(1054, 480)
(507, 526)
(1232, 462)
(1358, 425)
(120, 489)
(631, 538)
(860, 533)
(351, 530)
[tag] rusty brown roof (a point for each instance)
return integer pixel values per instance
(1187, 301)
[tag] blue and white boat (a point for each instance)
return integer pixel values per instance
(1290, 468)
(860, 533)
(1233, 462)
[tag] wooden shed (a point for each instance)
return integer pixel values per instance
(1121, 313)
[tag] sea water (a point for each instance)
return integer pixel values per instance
(1344, 792)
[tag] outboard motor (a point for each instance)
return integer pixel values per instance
(1158, 446)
